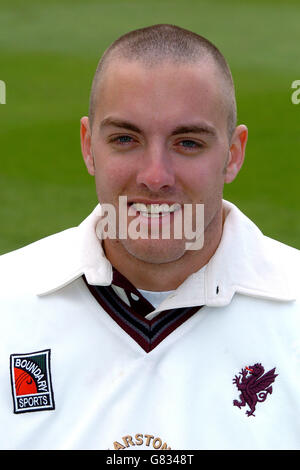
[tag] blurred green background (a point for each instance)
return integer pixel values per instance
(48, 54)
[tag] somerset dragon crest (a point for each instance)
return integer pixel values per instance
(254, 385)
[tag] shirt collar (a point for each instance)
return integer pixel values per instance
(243, 263)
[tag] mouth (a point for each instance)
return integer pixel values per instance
(153, 210)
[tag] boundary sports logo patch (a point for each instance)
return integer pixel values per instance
(31, 381)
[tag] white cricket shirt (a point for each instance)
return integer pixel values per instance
(227, 378)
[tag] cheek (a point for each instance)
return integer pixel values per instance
(201, 179)
(111, 177)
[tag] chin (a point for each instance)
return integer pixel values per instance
(155, 251)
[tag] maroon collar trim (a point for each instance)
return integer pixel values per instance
(147, 333)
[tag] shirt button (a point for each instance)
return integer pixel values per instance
(135, 297)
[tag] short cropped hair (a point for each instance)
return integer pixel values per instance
(165, 42)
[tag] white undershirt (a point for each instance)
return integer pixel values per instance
(155, 298)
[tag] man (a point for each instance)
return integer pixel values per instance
(122, 342)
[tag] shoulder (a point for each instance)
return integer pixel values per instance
(244, 231)
(255, 263)
(288, 255)
(286, 263)
(24, 266)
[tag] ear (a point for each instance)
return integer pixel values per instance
(236, 153)
(86, 148)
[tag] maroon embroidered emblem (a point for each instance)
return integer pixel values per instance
(254, 385)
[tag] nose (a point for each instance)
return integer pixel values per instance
(156, 170)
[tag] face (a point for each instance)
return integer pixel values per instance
(160, 136)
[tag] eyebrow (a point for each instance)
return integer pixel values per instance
(201, 128)
(121, 124)
(195, 129)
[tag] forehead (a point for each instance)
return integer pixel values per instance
(163, 95)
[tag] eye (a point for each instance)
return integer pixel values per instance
(122, 139)
(189, 144)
